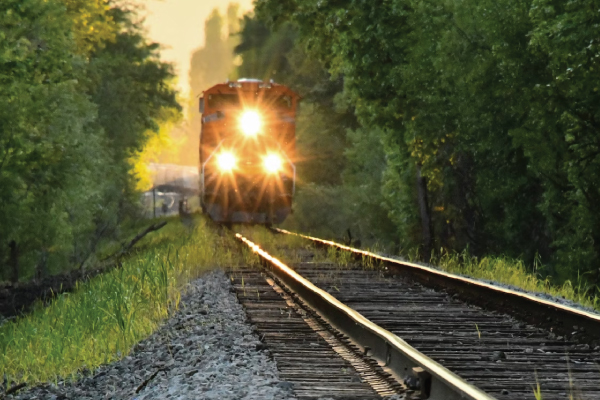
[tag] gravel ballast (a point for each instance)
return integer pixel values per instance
(206, 350)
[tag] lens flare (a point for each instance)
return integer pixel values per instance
(226, 161)
(250, 123)
(273, 163)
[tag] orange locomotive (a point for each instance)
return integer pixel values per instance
(247, 145)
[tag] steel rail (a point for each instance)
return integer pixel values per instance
(399, 358)
(558, 317)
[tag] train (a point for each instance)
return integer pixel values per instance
(247, 151)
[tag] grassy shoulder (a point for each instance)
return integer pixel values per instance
(101, 320)
(514, 272)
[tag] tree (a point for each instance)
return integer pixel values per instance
(66, 128)
(487, 110)
(561, 136)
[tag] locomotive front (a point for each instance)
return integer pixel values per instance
(247, 145)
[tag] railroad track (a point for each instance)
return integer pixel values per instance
(451, 349)
(310, 356)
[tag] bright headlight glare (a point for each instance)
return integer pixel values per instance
(250, 123)
(273, 163)
(226, 161)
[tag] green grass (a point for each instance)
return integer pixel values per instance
(103, 318)
(514, 272)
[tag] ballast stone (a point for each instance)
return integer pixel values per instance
(207, 350)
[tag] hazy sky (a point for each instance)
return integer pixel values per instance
(179, 26)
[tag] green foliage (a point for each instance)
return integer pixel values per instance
(91, 23)
(103, 318)
(130, 86)
(561, 135)
(493, 103)
(264, 54)
(46, 129)
(81, 90)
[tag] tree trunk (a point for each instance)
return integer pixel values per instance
(424, 210)
(42, 267)
(13, 261)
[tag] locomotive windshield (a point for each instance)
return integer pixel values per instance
(223, 100)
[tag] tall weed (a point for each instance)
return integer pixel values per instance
(514, 272)
(102, 318)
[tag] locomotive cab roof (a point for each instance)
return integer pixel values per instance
(251, 80)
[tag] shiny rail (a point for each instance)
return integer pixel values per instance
(398, 357)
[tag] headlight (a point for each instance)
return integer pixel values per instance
(250, 123)
(272, 163)
(226, 161)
